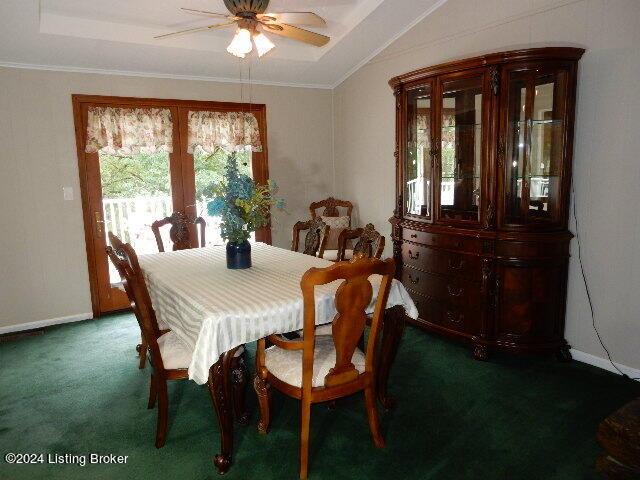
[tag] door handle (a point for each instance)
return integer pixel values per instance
(412, 256)
(99, 222)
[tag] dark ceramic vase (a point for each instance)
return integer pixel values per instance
(238, 255)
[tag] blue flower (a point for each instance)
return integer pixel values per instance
(280, 203)
(215, 207)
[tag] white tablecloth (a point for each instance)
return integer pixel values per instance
(213, 309)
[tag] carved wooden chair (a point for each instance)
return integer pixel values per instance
(329, 210)
(179, 230)
(321, 369)
(368, 241)
(168, 356)
(315, 239)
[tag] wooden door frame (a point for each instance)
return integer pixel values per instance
(79, 102)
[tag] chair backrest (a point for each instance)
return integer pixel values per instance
(179, 230)
(315, 239)
(352, 299)
(369, 242)
(124, 258)
(330, 208)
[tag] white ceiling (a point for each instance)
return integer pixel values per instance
(117, 36)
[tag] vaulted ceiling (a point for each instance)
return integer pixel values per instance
(117, 36)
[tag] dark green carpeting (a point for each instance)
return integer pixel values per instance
(76, 389)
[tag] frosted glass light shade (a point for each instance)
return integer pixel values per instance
(263, 44)
(241, 43)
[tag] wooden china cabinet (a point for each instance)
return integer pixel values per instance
(483, 161)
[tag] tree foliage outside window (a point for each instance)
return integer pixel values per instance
(147, 174)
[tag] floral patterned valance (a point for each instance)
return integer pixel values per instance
(229, 131)
(127, 131)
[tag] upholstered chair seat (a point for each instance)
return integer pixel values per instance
(286, 365)
(332, 255)
(175, 354)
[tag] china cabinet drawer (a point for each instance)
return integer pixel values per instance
(451, 242)
(444, 289)
(460, 319)
(467, 267)
(513, 249)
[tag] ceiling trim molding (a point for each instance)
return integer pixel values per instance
(377, 51)
(170, 76)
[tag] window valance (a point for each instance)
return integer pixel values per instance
(128, 131)
(229, 131)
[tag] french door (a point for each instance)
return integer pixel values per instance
(125, 194)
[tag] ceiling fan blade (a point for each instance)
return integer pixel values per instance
(208, 13)
(296, 33)
(197, 29)
(296, 18)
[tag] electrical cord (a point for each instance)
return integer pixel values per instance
(586, 287)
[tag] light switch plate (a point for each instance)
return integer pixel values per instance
(67, 193)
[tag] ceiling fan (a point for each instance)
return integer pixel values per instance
(252, 22)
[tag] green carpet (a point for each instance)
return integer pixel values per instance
(77, 389)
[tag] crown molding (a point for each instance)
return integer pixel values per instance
(127, 73)
(380, 49)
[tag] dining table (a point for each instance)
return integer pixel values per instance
(215, 311)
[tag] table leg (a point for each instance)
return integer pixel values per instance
(239, 377)
(222, 398)
(392, 328)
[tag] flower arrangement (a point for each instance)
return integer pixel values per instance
(243, 205)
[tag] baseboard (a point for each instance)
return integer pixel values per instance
(604, 363)
(45, 323)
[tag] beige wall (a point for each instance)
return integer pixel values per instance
(42, 253)
(606, 167)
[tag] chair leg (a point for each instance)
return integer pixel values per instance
(372, 415)
(263, 391)
(152, 393)
(305, 421)
(142, 353)
(163, 412)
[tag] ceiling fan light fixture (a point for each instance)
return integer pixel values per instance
(241, 43)
(263, 44)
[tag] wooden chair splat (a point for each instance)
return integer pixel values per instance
(368, 242)
(315, 239)
(178, 231)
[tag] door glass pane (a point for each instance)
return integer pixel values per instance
(418, 161)
(136, 191)
(515, 147)
(461, 149)
(546, 152)
(209, 169)
(534, 154)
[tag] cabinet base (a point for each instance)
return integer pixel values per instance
(480, 352)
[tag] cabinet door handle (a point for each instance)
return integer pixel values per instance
(414, 280)
(456, 266)
(455, 291)
(413, 235)
(454, 317)
(412, 256)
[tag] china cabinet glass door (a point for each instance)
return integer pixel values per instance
(534, 123)
(461, 149)
(418, 179)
